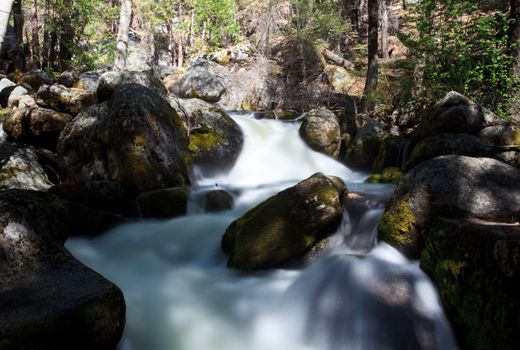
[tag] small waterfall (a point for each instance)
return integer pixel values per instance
(180, 294)
(3, 135)
(404, 153)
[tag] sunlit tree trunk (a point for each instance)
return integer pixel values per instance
(35, 39)
(122, 35)
(372, 72)
(18, 24)
(384, 28)
(5, 11)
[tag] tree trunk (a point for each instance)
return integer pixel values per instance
(384, 29)
(5, 11)
(514, 51)
(35, 39)
(372, 73)
(122, 35)
(18, 23)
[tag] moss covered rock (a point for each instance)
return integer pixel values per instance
(217, 200)
(109, 81)
(163, 203)
(320, 130)
(475, 265)
(392, 153)
(136, 138)
(444, 144)
(451, 186)
(215, 140)
(389, 175)
(286, 225)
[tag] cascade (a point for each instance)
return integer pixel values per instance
(180, 294)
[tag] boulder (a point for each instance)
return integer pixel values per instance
(6, 87)
(163, 203)
(87, 81)
(450, 186)
(63, 99)
(339, 78)
(455, 114)
(321, 131)
(68, 78)
(364, 149)
(16, 95)
(444, 144)
(215, 140)
(217, 200)
(287, 224)
(35, 79)
(5, 83)
(109, 82)
(37, 126)
(19, 168)
(475, 265)
(136, 138)
(172, 83)
(26, 101)
(500, 135)
(205, 80)
(49, 299)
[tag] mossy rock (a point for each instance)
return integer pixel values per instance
(205, 142)
(477, 272)
(164, 203)
(398, 228)
(287, 114)
(389, 175)
(286, 225)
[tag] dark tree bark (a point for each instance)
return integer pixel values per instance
(35, 37)
(384, 28)
(18, 22)
(367, 103)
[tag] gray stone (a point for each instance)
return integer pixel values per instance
(109, 82)
(321, 131)
(19, 168)
(205, 80)
(65, 100)
(15, 95)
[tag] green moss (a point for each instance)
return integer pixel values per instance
(391, 175)
(374, 179)
(286, 114)
(204, 142)
(4, 113)
(397, 226)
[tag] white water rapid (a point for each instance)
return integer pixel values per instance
(2, 134)
(181, 296)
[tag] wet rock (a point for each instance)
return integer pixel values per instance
(455, 114)
(391, 175)
(393, 153)
(286, 225)
(215, 140)
(450, 186)
(217, 200)
(445, 144)
(320, 130)
(265, 115)
(37, 126)
(50, 300)
(35, 79)
(65, 100)
(164, 203)
(475, 265)
(136, 138)
(205, 80)
(19, 168)
(364, 149)
(109, 82)
(68, 78)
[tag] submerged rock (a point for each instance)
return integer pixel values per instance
(321, 131)
(19, 168)
(217, 200)
(36, 126)
(136, 138)
(50, 300)
(63, 99)
(451, 186)
(475, 265)
(286, 225)
(215, 140)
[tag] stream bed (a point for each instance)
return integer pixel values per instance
(180, 294)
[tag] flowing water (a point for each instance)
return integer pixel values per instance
(2, 134)
(181, 296)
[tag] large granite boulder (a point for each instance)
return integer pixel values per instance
(35, 79)
(109, 81)
(321, 131)
(451, 186)
(87, 81)
(36, 126)
(49, 299)
(136, 138)
(215, 140)
(286, 225)
(19, 168)
(205, 80)
(475, 265)
(364, 149)
(65, 100)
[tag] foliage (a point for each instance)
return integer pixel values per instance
(217, 18)
(464, 47)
